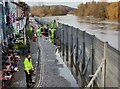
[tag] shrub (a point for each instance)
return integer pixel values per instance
(24, 47)
(20, 42)
(18, 35)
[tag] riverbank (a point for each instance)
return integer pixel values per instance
(102, 10)
(55, 10)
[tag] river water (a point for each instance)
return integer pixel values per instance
(104, 30)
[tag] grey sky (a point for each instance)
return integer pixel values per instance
(71, 3)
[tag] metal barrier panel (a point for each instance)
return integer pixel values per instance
(65, 35)
(62, 40)
(112, 69)
(69, 36)
(88, 55)
(62, 33)
(57, 36)
(56, 33)
(71, 47)
(59, 31)
(80, 48)
(66, 42)
(98, 56)
(69, 44)
(88, 51)
(74, 42)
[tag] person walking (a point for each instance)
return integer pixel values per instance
(28, 67)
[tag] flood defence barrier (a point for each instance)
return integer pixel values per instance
(97, 62)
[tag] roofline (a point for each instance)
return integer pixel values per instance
(20, 4)
(17, 4)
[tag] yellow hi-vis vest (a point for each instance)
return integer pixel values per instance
(51, 25)
(39, 32)
(52, 33)
(28, 65)
(54, 25)
(31, 29)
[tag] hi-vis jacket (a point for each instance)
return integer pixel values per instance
(39, 32)
(28, 65)
(31, 29)
(52, 33)
(53, 25)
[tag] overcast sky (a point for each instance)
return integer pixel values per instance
(71, 3)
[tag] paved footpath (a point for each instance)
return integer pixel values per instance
(53, 72)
